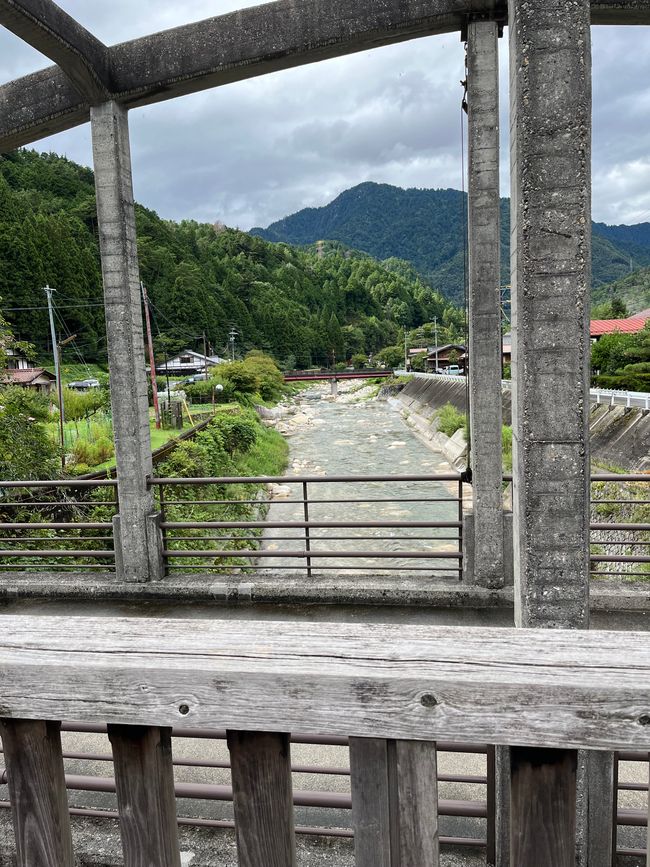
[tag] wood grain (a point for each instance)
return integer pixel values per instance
(543, 807)
(144, 780)
(262, 798)
(39, 802)
(394, 803)
(552, 688)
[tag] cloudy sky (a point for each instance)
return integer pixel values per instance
(253, 152)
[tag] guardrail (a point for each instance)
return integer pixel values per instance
(380, 524)
(599, 396)
(385, 689)
(353, 527)
(59, 525)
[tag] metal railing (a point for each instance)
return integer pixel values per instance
(57, 525)
(380, 524)
(358, 524)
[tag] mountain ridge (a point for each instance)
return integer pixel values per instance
(425, 227)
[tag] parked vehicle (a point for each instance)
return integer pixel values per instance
(453, 370)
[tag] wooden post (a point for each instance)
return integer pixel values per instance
(263, 798)
(543, 807)
(39, 803)
(144, 781)
(394, 803)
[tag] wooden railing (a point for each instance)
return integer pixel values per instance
(393, 690)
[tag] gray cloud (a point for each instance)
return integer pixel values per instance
(254, 151)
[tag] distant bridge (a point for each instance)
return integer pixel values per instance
(319, 375)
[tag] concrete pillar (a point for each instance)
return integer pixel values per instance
(334, 387)
(550, 62)
(137, 539)
(484, 302)
(550, 92)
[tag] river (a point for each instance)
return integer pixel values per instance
(367, 438)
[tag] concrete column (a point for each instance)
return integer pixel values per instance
(550, 67)
(550, 62)
(137, 540)
(484, 302)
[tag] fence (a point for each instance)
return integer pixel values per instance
(383, 524)
(363, 535)
(387, 690)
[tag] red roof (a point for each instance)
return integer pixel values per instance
(24, 377)
(633, 325)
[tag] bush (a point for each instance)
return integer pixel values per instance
(624, 382)
(241, 377)
(271, 381)
(26, 450)
(506, 444)
(450, 419)
(238, 432)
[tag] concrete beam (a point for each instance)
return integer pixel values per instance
(50, 30)
(485, 301)
(137, 537)
(245, 44)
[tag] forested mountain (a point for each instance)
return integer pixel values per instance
(633, 291)
(305, 307)
(425, 227)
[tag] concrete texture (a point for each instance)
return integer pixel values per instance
(550, 63)
(427, 394)
(243, 44)
(620, 437)
(488, 567)
(50, 30)
(137, 541)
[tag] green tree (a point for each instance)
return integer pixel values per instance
(26, 450)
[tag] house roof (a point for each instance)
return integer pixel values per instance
(28, 375)
(633, 325)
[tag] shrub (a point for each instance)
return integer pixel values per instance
(450, 419)
(240, 376)
(239, 433)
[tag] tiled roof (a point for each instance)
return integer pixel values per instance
(24, 377)
(625, 326)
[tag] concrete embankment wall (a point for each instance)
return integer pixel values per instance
(423, 396)
(620, 437)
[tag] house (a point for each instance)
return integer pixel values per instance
(30, 377)
(20, 371)
(188, 362)
(16, 361)
(443, 356)
(631, 325)
(506, 348)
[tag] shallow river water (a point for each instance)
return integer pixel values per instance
(367, 439)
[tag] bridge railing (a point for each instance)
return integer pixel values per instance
(59, 525)
(380, 524)
(393, 691)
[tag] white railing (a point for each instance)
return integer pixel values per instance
(599, 396)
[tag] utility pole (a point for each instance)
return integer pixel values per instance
(152, 364)
(231, 337)
(406, 354)
(57, 370)
(435, 337)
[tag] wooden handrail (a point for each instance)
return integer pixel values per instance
(552, 688)
(393, 691)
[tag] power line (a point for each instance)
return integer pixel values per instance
(62, 307)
